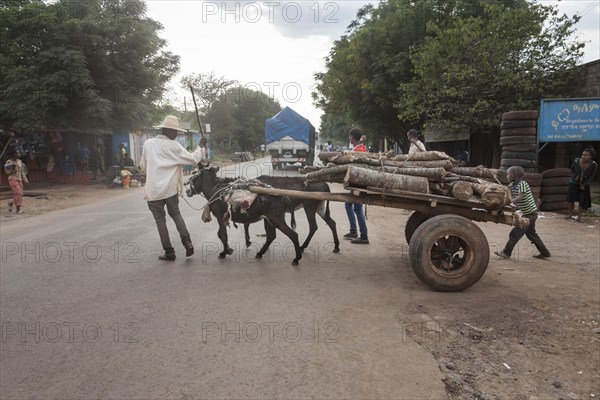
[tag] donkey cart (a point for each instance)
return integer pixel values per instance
(447, 251)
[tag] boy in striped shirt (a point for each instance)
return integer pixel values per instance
(523, 200)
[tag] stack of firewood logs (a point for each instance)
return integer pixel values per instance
(430, 172)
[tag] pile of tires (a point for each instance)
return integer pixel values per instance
(518, 138)
(555, 186)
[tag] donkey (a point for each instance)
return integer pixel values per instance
(270, 208)
(311, 207)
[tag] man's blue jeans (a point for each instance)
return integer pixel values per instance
(355, 212)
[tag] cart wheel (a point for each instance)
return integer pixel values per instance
(449, 253)
(414, 221)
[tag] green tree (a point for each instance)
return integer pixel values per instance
(405, 62)
(365, 66)
(472, 69)
(334, 128)
(208, 88)
(81, 64)
(239, 117)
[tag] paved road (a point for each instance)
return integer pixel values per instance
(88, 311)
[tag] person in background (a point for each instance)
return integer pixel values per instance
(355, 210)
(262, 149)
(122, 152)
(416, 146)
(522, 199)
(128, 161)
(100, 153)
(57, 149)
(16, 177)
(463, 158)
(85, 155)
(161, 161)
(583, 171)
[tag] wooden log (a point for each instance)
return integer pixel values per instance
(423, 156)
(326, 155)
(363, 177)
(432, 174)
(462, 190)
(332, 172)
(457, 177)
(478, 172)
(329, 174)
(446, 164)
(424, 207)
(493, 196)
(439, 189)
(495, 175)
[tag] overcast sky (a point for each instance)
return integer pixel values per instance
(277, 46)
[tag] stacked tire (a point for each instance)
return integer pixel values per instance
(518, 138)
(555, 186)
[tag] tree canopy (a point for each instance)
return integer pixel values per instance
(86, 64)
(239, 118)
(473, 69)
(208, 88)
(407, 62)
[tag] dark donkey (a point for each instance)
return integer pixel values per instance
(311, 207)
(270, 208)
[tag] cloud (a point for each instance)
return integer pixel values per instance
(293, 19)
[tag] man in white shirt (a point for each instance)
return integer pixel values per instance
(416, 146)
(162, 160)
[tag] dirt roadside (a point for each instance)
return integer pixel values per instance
(529, 329)
(54, 196)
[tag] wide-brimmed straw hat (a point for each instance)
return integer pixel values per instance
(170, 122)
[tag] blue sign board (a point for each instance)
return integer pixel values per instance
(569, 120)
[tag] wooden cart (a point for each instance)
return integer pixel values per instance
(447, 251)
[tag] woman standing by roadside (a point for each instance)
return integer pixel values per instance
(583, 171)
(16, 176)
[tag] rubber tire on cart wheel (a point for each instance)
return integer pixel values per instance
(449, 253)
(524, 139)
(414, 221)
(525, 114)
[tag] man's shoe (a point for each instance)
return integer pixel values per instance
(542, 256)
(167, 257)
(189, 249)
(360, 241)
(501, 254)
(10, 204)
(350, 235)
